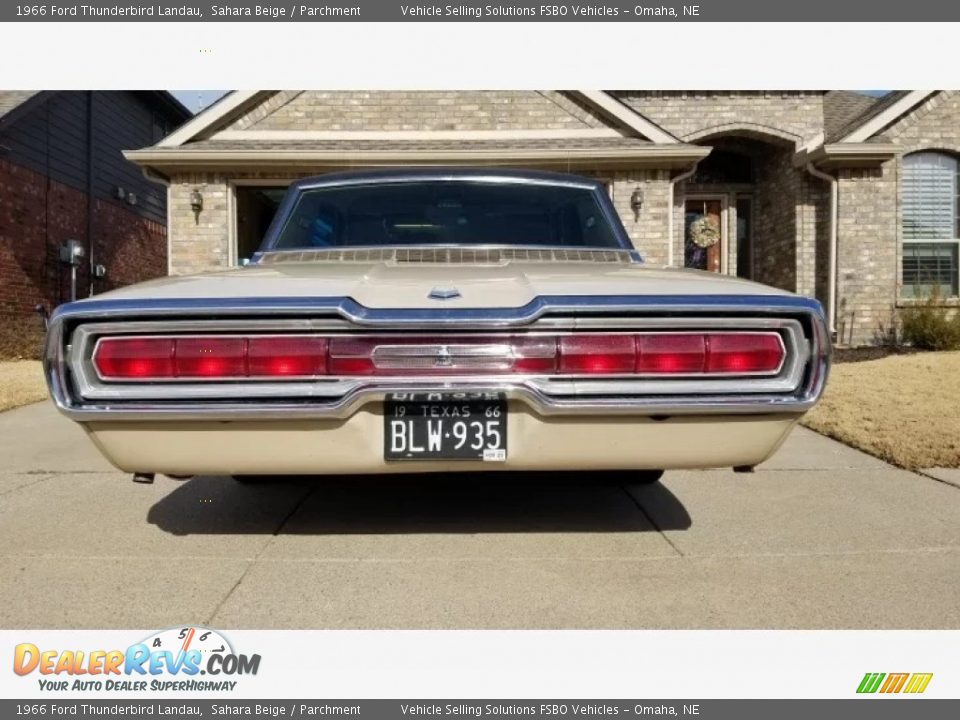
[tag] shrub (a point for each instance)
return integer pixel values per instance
(930, 326)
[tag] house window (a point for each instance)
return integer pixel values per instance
(930, 225)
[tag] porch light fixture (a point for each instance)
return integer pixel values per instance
(636, 202)
(196, 204)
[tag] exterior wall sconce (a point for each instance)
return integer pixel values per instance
(636, 202)
(196, 204)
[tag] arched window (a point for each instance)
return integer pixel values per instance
(930, 225)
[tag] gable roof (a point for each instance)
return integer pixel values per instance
(14, 103)
(843, 107)
(877, 116)
(212, 116)
(216, 120)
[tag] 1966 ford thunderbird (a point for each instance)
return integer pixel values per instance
(439, 320)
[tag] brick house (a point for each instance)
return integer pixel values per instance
(63, 178)
(848, 198)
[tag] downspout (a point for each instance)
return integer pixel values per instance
(832, 262)
(91, 264)
(156, 177)
(686, 175)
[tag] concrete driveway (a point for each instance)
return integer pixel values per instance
(820, 537)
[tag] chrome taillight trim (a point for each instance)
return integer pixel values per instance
(89, 338)
(91, 388)
(800, 320)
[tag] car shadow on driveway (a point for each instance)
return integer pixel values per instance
(409, 504)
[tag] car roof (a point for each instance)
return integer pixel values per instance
(444, 173)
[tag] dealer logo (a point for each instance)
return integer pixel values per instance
(171, 659)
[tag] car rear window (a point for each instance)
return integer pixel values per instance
(438, 212)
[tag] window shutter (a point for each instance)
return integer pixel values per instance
(929, 197)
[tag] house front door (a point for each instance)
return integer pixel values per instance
(703, 234)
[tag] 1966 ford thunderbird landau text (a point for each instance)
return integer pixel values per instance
(439, 320)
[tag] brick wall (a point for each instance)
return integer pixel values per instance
(132, 248)
(867, 253)
(419, 110)
(792, 115)
(199, 242)
(37, 215)
(648, 227)
(870, 230)
(776, 231)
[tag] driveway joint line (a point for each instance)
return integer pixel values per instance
(283, 521)
(925, 474)
(35, 481)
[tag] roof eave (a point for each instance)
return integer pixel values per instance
(186, 160)
(834, 155)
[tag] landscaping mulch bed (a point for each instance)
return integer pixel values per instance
(862, 354)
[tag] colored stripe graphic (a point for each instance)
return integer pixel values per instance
(918, 682)
(894, 683)
(870, 682)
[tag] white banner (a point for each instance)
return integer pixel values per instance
(198, 662)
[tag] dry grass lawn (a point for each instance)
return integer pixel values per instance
(904, 409)
(21, 383)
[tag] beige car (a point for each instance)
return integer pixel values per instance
(423, 321)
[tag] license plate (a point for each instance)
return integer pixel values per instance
(425, 426)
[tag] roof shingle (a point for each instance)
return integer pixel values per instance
(843, 128)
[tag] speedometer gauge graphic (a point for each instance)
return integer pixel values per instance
(182, 639)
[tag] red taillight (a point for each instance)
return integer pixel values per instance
(135, 358)
(709, 353)
(744, 353)
(598, 354)
(223, 357)
(286, 356)
(671, 354)
(210, 357)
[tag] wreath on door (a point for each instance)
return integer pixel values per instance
(704, 232)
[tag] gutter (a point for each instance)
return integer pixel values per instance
(157, 158)
(834, 222)
(850, 154)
